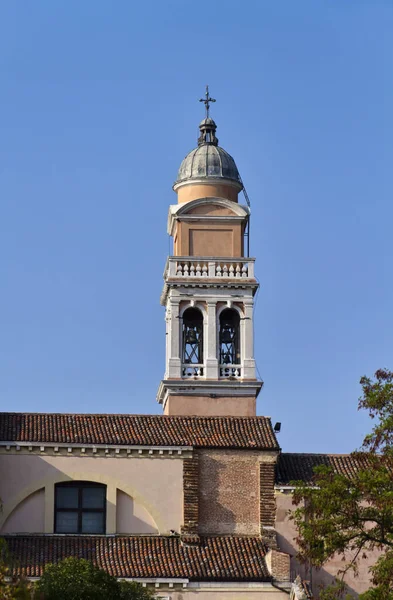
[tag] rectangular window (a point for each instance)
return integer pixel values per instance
(80, 507)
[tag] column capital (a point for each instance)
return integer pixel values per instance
(211, 303)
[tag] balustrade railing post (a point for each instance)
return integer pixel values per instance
(211, 268)
(172, 267)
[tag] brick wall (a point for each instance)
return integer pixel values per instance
(229, 492)
(278, 565)
(267, 495)
(190, 495)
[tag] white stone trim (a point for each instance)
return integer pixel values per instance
(198, 387)
(193, 304)
(95, 450)
(266, 586)
(246, 313)
(218, 287)
(210, 356)
(208, 180)
(159, 580)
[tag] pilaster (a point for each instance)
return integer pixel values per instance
(111, 499)
(248, 341)
(211, 360)
(174, 361)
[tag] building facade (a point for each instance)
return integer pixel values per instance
(193, 502)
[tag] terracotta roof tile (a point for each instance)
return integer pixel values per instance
(213, 559)
(300, 467)
(145, 430)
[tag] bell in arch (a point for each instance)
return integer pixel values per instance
(226, 337)
(191, 337)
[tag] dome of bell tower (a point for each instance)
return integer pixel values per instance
(208, 162)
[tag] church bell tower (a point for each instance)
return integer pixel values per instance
(209, 288)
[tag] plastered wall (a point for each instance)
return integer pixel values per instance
(286, 540)
(28, 516)
(208, 239)
(193, 191)
(132, 517)
(205, 406)
(142, 479)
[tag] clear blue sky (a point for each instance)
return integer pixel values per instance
(98, 108)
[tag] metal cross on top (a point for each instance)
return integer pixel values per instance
(207, 101)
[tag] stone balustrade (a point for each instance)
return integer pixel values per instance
(212, 268)
(189, 370)
(227, 371)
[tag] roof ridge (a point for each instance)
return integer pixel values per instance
(200, 417)
(316, 454)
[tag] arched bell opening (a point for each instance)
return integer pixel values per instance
(229, 343)
(192, 343)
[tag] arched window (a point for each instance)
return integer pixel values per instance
(229, 338)
(192, 337)
(80, 507)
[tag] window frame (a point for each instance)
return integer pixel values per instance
(80, 486)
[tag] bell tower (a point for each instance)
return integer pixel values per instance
(209, 288)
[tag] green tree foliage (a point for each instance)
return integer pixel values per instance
(12, 587)
(350, 515)
(131, 590)
(79, 579)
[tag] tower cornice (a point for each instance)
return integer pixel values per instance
(182, 211)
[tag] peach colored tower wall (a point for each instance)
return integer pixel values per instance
(209, 235)
(204, 406)
(193, 191)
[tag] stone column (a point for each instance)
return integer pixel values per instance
(210, 350)
(248, 362)
(174, 324)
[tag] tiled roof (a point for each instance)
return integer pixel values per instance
(213, 559)
(299, 467)
(145, 430)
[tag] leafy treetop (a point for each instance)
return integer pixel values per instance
(350, 515)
